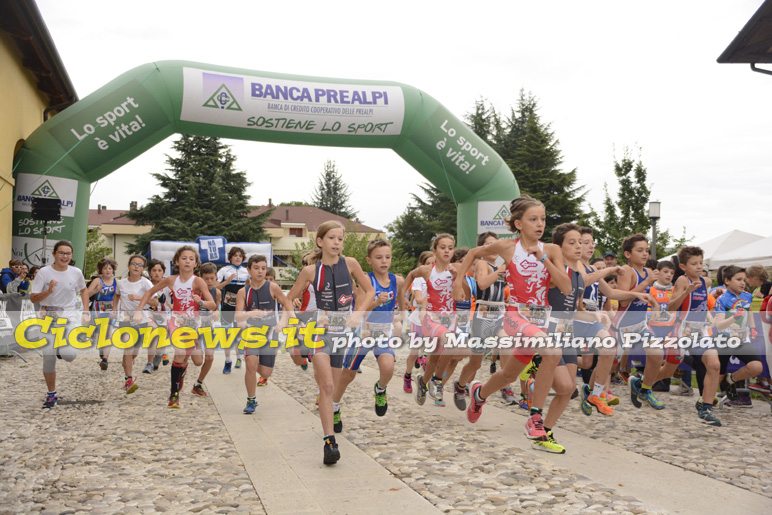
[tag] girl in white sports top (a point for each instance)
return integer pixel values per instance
(55, 289)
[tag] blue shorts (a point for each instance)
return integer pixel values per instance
(355, 355)
(587, 329)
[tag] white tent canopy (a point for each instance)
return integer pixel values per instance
(758, 252)
(725, 243)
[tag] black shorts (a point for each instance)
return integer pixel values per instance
(746, 353)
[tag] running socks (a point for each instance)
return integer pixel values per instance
(535, 411)
(378, 389)
(477, 397)
(178, 372)
(459, 388)
(335, 406)
(729, 378)
(597, 389)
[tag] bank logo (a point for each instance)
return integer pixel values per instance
(45, 190)
(502, 214)
(223, 99)
(223, 92)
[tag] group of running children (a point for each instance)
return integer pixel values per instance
(542, 290)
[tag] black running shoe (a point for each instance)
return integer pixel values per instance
(331, 452)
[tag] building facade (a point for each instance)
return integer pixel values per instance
(33, 87)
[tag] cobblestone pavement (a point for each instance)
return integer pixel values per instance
(461, 470)
(102, 451)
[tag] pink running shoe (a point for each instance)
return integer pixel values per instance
(534, 428)
(408, 383)
(474, 410)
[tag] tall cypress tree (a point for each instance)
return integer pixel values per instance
(332, 194)
(202, 195)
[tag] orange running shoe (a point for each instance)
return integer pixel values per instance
(601, 406)
(610, 398)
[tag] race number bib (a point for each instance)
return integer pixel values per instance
(186, 321)
(738, 331)
(688, 328)
(661, 317)
(536, 314)
(51, 311)
(638, 328)
(463, 318)
(376, 330)
(563, 325)
(333, 321)
(489, 312)
(160, 317)
(230, 298)
(105, 306)
(448, 321)
(125, 317)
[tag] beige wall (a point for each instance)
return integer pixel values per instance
(22, 112)
(116, 237)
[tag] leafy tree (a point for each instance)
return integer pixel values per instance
(95, 250)
(409, 236)
(201, 195)
(354, 245)
(438, 211)
(531, 150)
(628, 214)
(412, 232)
(332, 194)
(677, 243)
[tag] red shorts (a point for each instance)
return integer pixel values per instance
(171, 326)
(517, 325)
(674, 356)
(434, 329)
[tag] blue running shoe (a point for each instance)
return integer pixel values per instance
(251, 405)
(227, 368)
(584, 405)
(635, 389)
(648, 397)
(51, 399)
(707, 417)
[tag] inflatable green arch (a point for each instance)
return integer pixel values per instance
(142, 107)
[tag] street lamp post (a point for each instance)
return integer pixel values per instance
(654, 216)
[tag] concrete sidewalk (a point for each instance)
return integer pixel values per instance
(654, 482)
(281, 447)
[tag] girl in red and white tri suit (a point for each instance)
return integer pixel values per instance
(440, 318)
(190, 293)
(531, 265)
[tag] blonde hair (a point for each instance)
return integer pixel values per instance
(757, 272)
(376, 244)
(424, 257)
(518, 207)
(324, 228)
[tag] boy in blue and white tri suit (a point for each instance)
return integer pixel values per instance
(378, 323)
(734, 319)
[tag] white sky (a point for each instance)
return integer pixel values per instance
(608, 74)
